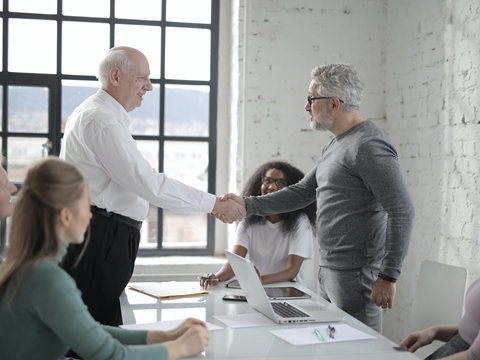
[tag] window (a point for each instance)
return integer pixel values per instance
(50, 51)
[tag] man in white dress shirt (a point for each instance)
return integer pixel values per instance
(122, 183)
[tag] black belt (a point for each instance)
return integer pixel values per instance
(117, 217)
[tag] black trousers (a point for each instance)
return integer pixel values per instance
(105, 268)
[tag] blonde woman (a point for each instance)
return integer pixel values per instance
(41, 310)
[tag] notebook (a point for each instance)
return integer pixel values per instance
(303, 311)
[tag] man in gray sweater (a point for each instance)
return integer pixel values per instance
(364, 211)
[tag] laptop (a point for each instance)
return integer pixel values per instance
(281, 312)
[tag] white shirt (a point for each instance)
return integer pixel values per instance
(268, 248)
(97, 141)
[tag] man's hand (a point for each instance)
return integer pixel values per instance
(235, 198)
(228, 210)
(383, 293)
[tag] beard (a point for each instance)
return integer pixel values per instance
(322, 121)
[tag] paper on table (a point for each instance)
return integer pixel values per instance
(168, 290)
(245, 320)
(164, 325)
(306, 336)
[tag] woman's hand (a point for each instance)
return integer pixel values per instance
(418, 339)
(156, 337)
(193, 341)
(184, 326)
(209, 279)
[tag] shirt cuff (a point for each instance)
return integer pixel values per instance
(386, 277)
(207, 203)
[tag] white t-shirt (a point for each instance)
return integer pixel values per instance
(268, 248)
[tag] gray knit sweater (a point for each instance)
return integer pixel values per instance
(364, 211)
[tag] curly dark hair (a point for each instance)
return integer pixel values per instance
(292, 175)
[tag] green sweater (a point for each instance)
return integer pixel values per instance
(47, 317)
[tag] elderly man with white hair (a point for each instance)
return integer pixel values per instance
(122, 183)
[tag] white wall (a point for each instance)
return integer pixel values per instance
(419, 61)
(282, 41)
(432, 104)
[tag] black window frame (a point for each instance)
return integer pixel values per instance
(54, 83)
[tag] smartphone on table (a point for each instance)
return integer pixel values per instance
(234, 297)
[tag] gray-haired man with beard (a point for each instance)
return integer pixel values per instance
(364, 211)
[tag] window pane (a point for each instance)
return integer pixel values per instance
(23, 152)
(148, 234)
(89, 8)
(186, 110)
(144, 38)
(199, 11)
(38, 43)
(73, 94)
(148, 239)
(139, 9)
(28, 109)
(1, 44)
(187, 162)
(33, 6)
(84, 46)
(180, 44)
(184, 231)
(145, 119)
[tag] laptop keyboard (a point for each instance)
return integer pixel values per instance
(286, 310)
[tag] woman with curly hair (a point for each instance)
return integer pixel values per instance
(277, 244)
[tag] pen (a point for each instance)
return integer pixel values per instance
(316, 332)
(206, 278)
(331, 331)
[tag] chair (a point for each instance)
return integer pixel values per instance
(311, 269)
(438, 300)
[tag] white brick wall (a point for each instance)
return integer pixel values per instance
(283, 41)
(419, 60)
(432, 63)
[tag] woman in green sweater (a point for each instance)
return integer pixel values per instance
(41, 310)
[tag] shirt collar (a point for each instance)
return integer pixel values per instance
(119, 111)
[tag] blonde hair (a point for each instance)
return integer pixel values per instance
(50, 185)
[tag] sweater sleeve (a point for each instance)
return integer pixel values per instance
(57, 302)
(378, 166)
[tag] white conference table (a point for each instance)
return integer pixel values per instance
(254, 343)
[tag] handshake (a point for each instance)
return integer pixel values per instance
(229, 208)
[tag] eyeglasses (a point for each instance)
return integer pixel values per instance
(281, 183)
(310, 99)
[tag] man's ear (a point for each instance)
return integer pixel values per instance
(65, 216)
(115, 76)
(336, 105)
